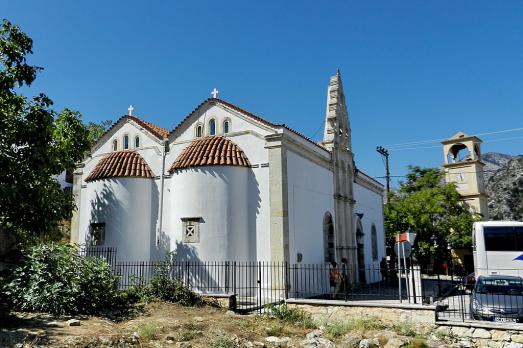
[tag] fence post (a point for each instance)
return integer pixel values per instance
(227, 276)
(286, 279)
(187, 281)
(234, 277)
(260, 284)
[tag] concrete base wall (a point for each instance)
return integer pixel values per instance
(422, 319)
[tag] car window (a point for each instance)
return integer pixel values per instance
(500, 286)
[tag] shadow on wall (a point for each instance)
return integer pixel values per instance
(207, 275)
(253, 211)
(104, 209)
(158, 248)
(253, 203)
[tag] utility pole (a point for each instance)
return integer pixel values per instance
(385, 153)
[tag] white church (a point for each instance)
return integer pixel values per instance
(228, 185)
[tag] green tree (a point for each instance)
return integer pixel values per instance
(36, 144)
(96, 130)
(432, 209)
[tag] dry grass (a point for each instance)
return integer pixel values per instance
(201, 326)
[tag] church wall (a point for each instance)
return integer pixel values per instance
(126, 206)
(219, 113)
(370, 204)
(217, 197)
(132, 129)
(310, 196)
(253, 145)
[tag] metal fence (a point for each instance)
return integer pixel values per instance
(256, 284)
(106, 253)
(494, 295)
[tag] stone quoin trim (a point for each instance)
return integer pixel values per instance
(121, 164)
(211, 151)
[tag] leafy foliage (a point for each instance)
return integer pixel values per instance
(163, 286)
(223, 342)
(290, 315)
(147, 331)
(96, 130)
(432, 209)
(55, 278)
(36, 144)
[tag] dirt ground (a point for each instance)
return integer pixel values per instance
(158, 325)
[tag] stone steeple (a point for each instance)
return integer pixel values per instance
(337, 139)
(337, 127)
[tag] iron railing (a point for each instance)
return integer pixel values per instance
(106, 253)
(494, 295)
(256, 284)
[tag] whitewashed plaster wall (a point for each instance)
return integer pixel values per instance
(127, 207)
(62, 181)
(249, 136)
(370, 203)
(130, 128)
(239, 123)
(219, 196)
(310, 196)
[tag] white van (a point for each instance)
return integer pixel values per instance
(498, 248)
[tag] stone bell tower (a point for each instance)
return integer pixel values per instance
(463, 166)
(337, 139)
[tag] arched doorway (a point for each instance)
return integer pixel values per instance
(360, 245)
(329, 243)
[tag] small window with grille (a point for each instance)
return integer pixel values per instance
(97, 235)
(191, 230)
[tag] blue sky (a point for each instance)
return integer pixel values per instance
(412, 70)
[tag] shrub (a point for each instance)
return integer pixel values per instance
(405, 329)
(54, 278)
(290, 315)
(223, 342)
(337, 329)
(147, 331)
(165, 287)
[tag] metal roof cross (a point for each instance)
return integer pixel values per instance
(214, 93)
(130, 110)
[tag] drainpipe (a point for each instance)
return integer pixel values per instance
(165, 144)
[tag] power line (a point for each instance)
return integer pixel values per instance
(481, 171)
(439, 146)
(440, 140)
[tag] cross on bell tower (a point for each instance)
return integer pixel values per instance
(214, 93)
(130, 109)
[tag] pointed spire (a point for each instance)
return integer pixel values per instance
(337, 129)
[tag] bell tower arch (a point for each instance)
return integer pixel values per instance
(463, 166)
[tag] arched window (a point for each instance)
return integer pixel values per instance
(137, 142)
(199, 131)
(226, 126)
(212, 127)
(115, 145)
(125, 142)
(374, 242)
(328, 238)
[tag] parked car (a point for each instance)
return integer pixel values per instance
(497, 298)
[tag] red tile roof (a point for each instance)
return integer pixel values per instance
(155, 130)
(125, 163)
(211, 151)
(158, 131)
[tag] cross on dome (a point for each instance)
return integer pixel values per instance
(130, 108)
(214, 93)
